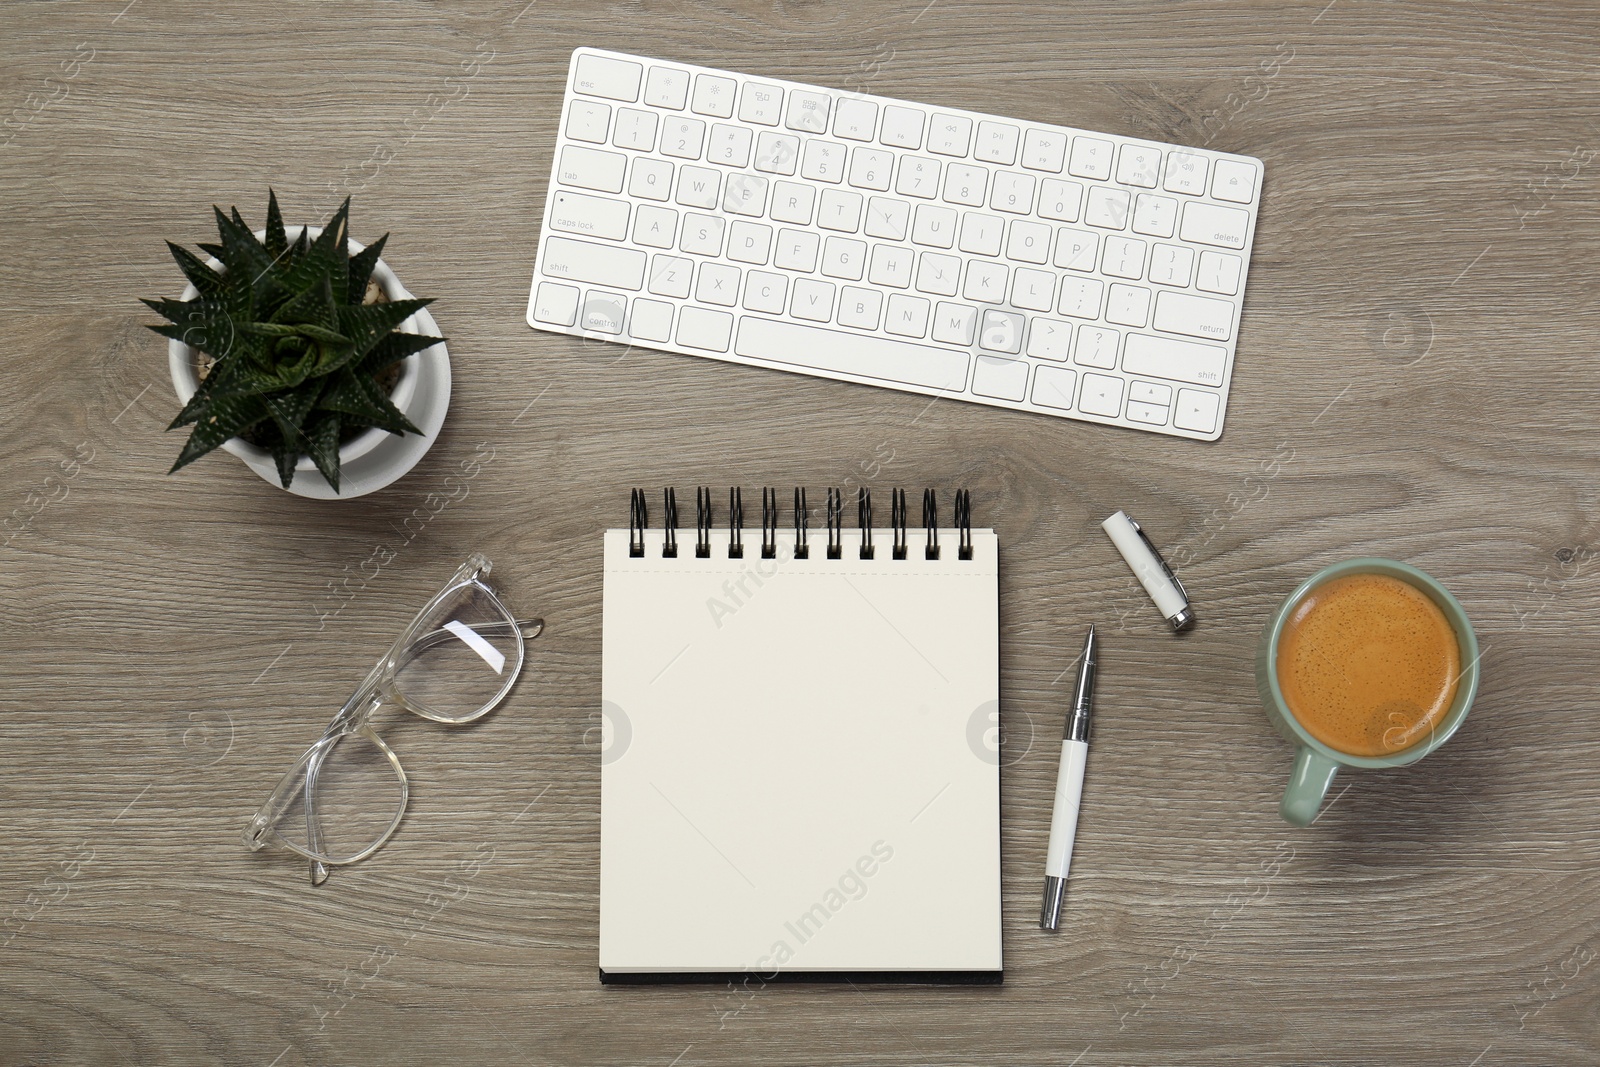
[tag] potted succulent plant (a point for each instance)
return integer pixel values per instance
(298, 350)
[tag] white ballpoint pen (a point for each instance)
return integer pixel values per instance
(1069, 789)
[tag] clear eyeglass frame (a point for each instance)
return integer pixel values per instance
(453, 663)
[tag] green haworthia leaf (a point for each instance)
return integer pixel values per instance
(206, 280)
(370, 323)
(392, 349)
(361, 265)
(277, 238)
(322, 431)
(226, 419)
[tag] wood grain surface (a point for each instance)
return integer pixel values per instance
(1416, 379)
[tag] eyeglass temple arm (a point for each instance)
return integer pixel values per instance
(529, 628)
(319, 870)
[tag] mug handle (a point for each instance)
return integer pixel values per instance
(1308, 784)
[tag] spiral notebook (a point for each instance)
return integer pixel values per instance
(800, 774)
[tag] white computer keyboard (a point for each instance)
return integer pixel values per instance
(930, 249)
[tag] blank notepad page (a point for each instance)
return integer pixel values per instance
(800, 772)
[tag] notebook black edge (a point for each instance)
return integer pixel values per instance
(940, 978)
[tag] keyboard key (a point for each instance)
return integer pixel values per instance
(652, 320)
(1028, 242)
(1003, 379)
(949, 135)
(745, 194)
(777, 153)
(808, 112)
(1044, 150)
(588, 120)
(986, 282)
(1171, 264)
(919, 176)
(938, 275)
(713, 96)
(1219, 273)
(1097, 347)
(594, 216)
(855, 120)
(1060, 200)
(702, 234)
(844, 258)
(797, 250)
(813, 300)
(891, 265)
(1197, 316)
(761, 104)
(840, 210)
(590, 168)
(888, 218)
(651, 180)
(557, 304)
(704, 328)
(1053, 387)
(1212, 224)
(997, 143)
(1196, 411)
(1102, 395)
(1186, 173)
(765, 292)
(749, 242)
(671, 275)
(1234, 181)
(584, 261)
(965, 184)
(698, 187)
(1012, 192)
(730, 145)
(1179, 361)
(823, 161)
(1123, 257)
(603, 312)
(902, 128)
(1076, 249)
(871, 168)
(718, 284)
(1034, 290)
(1154, 215)
(1080, 297)
(851, 353)
(1002, 332)
(859, 308)
(1049, 339)
(1139, 165)
(981, 234)
(954, 324)
(907, 316)
(655, 226)
(934, 225)
(1091, 158)
(1150, 393)
(1128, 305)
(1107, 208)
(683, 137)
(667, 87)
(793, 202)
(1152, 414)
(635, 129)
(614, 79)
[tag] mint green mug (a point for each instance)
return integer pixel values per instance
(1315, 763)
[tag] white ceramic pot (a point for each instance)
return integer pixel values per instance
(377, 457)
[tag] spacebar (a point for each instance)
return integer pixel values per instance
(816, 348)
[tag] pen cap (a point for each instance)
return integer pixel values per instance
(1149, 569)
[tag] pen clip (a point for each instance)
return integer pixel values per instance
(1156, 552)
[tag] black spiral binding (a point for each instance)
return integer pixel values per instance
(835, 523)
(964, 522)
(669, 524)
(638, 519)
(769, 524)
(802, 519)
(702, 523)
(735, 523)
(897, 519)
(864, 520)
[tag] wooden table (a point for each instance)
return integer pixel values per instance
(1415, 379)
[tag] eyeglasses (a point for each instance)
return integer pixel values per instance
(453, 664)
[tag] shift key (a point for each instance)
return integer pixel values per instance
(1179, 361)
(618, 268)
